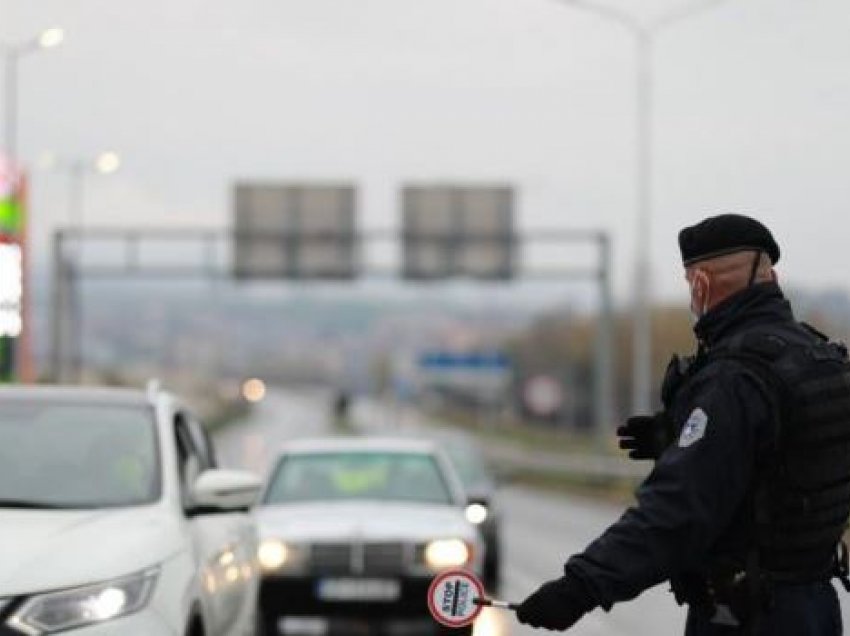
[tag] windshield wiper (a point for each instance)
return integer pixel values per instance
(23, 504)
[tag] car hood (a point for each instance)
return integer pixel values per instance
(51, 549)
(375, 521)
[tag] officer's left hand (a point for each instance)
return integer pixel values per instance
(647, 436)
(557, 605)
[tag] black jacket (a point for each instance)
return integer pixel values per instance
(694, 504)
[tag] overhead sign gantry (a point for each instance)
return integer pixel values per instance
(308, 232)
(458, 231)
(294, 231)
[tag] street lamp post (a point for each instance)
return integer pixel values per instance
(78, 170)
(12, 54)
(105, 163)
(644, 34)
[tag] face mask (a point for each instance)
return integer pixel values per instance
(696, 314)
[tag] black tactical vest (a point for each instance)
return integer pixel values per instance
(801, 501)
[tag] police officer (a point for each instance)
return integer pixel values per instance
(744, 510)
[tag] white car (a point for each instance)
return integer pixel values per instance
(114, 519)
(356, 529)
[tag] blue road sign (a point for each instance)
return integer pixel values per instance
(488, 361)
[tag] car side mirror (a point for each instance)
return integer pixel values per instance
(218, 490)
(480, 500)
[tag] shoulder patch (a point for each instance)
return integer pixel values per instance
(694, 428)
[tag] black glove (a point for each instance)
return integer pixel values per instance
(557, 605)
(647, 436)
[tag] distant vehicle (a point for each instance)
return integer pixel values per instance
(341, 405)
(482, 505)
(114, 519)
(356, 528)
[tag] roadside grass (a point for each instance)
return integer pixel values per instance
(611, 490)
(343, 426)
(530, 436)
(543, 438)
(223, 412)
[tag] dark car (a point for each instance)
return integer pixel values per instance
(480, 486)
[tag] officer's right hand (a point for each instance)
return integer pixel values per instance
(646, 436)
(557, 605)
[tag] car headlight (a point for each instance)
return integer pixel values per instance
(477, 513)
(272, 554)
(83, 606)
(447, 553)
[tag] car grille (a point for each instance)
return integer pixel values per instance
(360, 558)
(383, 558)
(331, 558)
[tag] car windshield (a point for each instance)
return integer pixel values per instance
(77, 456)
(340, 476)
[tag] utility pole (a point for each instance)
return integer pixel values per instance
(644, 34)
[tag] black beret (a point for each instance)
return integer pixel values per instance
(725, 234)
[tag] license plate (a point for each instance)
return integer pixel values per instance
(386, 590)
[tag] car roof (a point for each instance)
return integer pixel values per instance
(359, 444)
(108, 396)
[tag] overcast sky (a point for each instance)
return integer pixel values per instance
(752, 109)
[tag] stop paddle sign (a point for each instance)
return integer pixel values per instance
(456, 598)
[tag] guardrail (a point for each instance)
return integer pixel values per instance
(382, 417)
(577, 465)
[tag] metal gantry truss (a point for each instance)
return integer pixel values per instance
(147, 254)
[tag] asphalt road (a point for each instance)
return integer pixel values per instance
(540, 530)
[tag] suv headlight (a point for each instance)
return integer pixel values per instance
(447, 553)
(82, 606)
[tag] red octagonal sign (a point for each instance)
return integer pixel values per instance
(452, 598)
